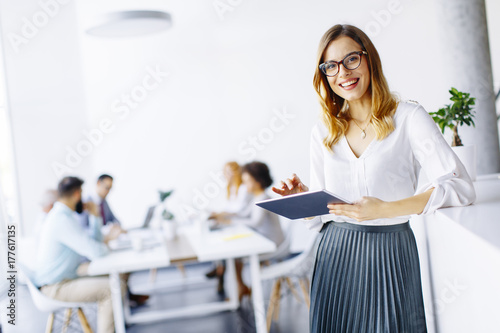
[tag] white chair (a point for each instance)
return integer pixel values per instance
(283, 250)
(297, 267)
(47, 304)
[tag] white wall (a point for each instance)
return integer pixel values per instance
(45, 91)
(226, 76)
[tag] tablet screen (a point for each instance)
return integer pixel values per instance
(301, 205)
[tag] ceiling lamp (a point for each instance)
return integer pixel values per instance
(130, 23)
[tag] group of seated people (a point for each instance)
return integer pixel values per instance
(73, 231)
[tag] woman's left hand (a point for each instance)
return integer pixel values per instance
(367, 208)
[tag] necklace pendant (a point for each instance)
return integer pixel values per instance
(363, 134)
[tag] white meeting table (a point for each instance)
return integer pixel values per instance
(225, 244)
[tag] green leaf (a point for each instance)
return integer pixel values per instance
(460, 111)
(164, 195)
(443, 126)
(167, 215)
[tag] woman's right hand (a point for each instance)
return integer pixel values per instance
(292, 185)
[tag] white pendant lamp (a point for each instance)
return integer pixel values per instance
(130, 23)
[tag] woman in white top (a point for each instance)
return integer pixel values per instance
(237, 197)
(238, 202)
(369, 149)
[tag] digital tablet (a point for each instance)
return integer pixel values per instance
(301, 205)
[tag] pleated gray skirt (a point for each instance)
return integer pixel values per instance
(367, 279)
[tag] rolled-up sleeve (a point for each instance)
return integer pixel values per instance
(443, 169)
(71, 235)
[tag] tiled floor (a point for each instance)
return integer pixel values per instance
(293, 314)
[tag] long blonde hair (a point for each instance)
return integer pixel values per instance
(236, 179)
(334, 107)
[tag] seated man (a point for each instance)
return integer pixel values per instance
(109, 222)
(103, 187)
(62, 243)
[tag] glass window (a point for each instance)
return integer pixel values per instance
(8, 193)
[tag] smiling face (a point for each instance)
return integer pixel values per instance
(351, 85)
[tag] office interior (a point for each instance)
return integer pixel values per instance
(163, 105)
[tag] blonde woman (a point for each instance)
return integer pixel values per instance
(238, 202)
(237, 196)
(369, 149)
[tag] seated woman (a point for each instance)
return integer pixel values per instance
(238, 201)
(257, 179)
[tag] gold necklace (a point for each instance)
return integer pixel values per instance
(363, 131)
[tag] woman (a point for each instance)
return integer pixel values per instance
(237, 197)
(257, 179)
(369, 150)
(238, 201)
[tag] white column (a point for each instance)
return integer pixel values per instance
(464, 34)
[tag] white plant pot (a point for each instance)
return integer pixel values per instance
(467, 155)
(169, 229)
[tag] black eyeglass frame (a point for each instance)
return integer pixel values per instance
(322, 66)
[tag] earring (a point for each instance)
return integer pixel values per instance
(334, 103)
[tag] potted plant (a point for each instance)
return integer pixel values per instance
(460, 112)
(166, 214)
(168, 223)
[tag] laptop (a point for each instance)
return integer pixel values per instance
(147, 219)
(124, 241)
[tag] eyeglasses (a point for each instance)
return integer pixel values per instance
(350, 61)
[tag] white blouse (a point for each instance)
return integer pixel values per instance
(239, 203)
(388, 169)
